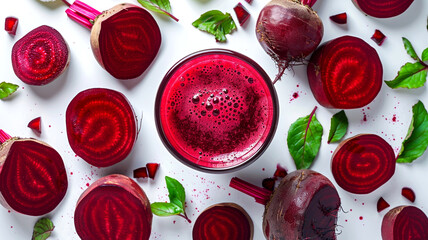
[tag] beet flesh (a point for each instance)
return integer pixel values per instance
(345, 73)
(33, 180)
(303, 206)
(113, 208)
(40, 56)
(223, 221)
(405, 223)
(101, 126)
(363, 163)
(125, 40)
(383, 8)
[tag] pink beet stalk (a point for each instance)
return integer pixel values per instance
(309, 3)
(261, 195)
(82, 13)
(4, 136)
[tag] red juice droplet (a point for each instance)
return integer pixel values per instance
(361, 217)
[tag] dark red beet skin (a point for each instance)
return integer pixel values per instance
(363, 163)
(40, 56)
(33, 180)
(345, 73)
(383, 8)
(113, 208)
(101, 126)
(405, 223)
(223, 221)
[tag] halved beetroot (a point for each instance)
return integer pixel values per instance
(363, 163)
(223, 221)
(113, 208)
(101, 126)
(345, 73)
(41, 56)
(383, 8)
(405, 223)
(33, 180)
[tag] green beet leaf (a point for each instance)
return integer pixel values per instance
(177, 195)
(164, 209)
(425, 55)
(338, 127)
(416, 141)
(42, 229)
(411, 75)
(159, 6)
(216, 23)
(6, 89)
(304, 140)
(409, 48)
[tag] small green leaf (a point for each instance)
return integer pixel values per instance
(216, 23)
(159, 6)
(304, 140)
(411, 75)
(165, 209)
(416, 141)
(177, 195)
(7, 89)
(42, 229)
(425, 55)
(338, 127)
(409, 48)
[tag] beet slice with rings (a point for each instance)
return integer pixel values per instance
(101, 126)
(363, 163)
(383, 8)
(345, 73)
(41, 56)
(113, 208)
(33, 180)
(223, 221)
(405, 223)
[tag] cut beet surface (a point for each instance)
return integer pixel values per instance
(269, 183)
(101, 126)
(40, 56)
(363, 163)
(241, 13)
(345, 73)
(382, 204)
(340, 18)
(409, 194)
(152, 169)
(378, 37)
(223, 221)
(33, 180)
(10, 25)
(35, 125)
(140, 173)
(383, 8)
(405, 223)
(113, 208)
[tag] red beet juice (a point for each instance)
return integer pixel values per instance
(216, 110)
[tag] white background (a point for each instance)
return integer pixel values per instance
(203, 190)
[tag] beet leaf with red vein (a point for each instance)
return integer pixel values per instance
(159, 6)
(338, 127)
(216, 23)
(42, 229)
(7, 89)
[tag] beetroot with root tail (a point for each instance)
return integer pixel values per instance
(288, 31)
(405, 223)
(383, 8)
(33, 180)
(41, 56)
(345, 73)
(113, 208)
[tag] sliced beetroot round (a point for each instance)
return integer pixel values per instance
(125, 40)
(101, 126)
(113, 208)
(405, 223)
(223, 221)
(345, 73)
(383, 8)
(33, 180)
(363, 163)
(41, 56)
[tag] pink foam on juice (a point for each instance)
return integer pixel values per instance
(217, 109)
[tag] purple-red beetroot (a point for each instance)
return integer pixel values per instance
(363, 163)
(101, 126)
(223, 221)
(40, 56)
(113, 208)
(383, 8)
(303, 206)
(33, 180)
(405, 223)
(345, 73)
(288, 31)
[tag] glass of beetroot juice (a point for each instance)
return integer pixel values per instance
(216, 110)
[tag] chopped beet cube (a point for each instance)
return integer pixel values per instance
(152, 168)
(10, 25)
(269, 183)
(140, 172)
(382, 204)
(340, 18)
(35, 125)
(241, 13)
(280, 171)
(248, 1)
(378, 37)
(408, 193)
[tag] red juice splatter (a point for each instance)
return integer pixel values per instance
(295, 95)
(394, 118)
(361, 217)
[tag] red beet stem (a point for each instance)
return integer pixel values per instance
(309, 3)
(261, 195)
(4, 136)
(66, 3)
(82, 13)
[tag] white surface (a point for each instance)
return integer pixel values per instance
(203, 190)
